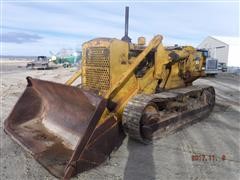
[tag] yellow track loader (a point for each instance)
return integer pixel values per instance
(144, 91)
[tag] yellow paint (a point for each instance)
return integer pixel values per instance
(108, 66)
(74, 77)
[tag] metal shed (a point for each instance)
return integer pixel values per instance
(225, 49)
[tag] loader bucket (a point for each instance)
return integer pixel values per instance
(56, 123)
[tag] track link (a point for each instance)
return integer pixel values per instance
(175, 108)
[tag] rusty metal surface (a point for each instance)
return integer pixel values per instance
(57, 125)
(103, 141)
(149, 117)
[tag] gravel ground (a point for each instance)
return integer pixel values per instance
(167, 158)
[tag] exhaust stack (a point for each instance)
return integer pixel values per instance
(126, 37)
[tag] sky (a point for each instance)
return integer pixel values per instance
(36, 28)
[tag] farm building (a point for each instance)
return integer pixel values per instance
(225, 49)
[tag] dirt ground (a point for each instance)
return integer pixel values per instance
(167, 158)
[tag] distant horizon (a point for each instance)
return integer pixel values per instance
(5, 56)
(49, 55)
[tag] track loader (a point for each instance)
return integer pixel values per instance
(144, 91)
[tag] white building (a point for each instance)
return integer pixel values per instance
(225, 49)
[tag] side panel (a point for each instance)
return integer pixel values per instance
(178, 67)
(118, 59)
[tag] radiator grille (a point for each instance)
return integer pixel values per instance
(211, 64)
(97, 69)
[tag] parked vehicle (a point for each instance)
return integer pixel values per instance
(67, 58)
(41, 62)
(222, 67)
(211, 66)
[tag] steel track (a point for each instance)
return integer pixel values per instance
(176, 107)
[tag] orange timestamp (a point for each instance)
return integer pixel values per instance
(210, 157)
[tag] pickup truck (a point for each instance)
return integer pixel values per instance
(40, 63)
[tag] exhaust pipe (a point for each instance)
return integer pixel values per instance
(126, 37)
